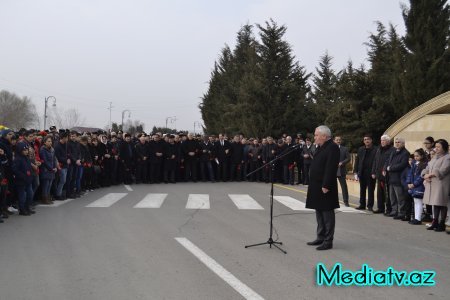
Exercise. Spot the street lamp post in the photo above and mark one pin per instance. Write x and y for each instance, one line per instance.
(123, 113)
(199, 125)
(172, 119)
(45, 109)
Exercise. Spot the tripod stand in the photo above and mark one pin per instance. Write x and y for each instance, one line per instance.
(271, 163)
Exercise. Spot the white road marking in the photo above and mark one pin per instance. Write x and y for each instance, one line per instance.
(107, 200)
(292, 203)
(220, 271)
(56, 203)
(198, 201)
(151, 201)
(128, 188)
(243, 201)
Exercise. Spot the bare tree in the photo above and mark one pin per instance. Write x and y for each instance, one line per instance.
(17, 112)
(65, 118)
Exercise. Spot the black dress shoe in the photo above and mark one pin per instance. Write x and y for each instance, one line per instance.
(361, 207)
(393, 215)
(325, 246)
(315, 243)
(378, 212)
(370, 209)
(346, 204)
(398, 217)
(1, 220)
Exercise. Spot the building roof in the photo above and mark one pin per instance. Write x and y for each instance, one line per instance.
(438, 105)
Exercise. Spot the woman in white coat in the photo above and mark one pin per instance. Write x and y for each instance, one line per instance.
(437, 184)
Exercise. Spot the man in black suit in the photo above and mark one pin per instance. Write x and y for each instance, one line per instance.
(344, 158)
(363, 173)
(222, 150)
(323, 190)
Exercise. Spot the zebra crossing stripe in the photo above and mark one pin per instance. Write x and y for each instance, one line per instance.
(107, 200)
(151, 201)
(198, 201)
(220, 271)
(243, 201)
(292, 203)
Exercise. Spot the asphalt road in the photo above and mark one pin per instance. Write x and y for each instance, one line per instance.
(102, 247)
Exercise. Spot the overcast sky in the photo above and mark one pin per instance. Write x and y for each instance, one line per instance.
(154, 58)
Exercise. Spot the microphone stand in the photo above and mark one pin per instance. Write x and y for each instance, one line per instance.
(270, 241)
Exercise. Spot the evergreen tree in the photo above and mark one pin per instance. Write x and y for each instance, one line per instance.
(427, 40)
(353, 91)
(285, 83)
(324, 88)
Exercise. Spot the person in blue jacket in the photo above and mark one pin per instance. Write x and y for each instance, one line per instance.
(23, 177)
(415, 184)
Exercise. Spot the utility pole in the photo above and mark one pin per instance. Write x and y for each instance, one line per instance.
(45, 109)
(110, 111)
(123, 113)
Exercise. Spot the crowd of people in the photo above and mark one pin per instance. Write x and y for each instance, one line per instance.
(405, 182)
(53, 165)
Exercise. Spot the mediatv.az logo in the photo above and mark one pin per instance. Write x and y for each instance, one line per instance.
(367, 277)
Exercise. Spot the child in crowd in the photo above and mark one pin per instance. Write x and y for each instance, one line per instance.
(415, 184)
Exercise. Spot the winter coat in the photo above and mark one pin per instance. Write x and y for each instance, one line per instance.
(414, 177)
(49, 163)
(437, 191)
(396, 163)
(381, 156)
(323, 170)
(21, 167)
(364, 155)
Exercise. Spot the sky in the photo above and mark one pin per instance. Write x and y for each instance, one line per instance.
(154, 58)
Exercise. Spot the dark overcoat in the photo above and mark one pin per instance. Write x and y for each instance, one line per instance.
(323, 170)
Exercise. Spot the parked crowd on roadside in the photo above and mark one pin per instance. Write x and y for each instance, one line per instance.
(54, 165)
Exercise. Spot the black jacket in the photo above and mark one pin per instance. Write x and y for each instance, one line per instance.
(323, 175)
(359, 162)
(397, 162)
(61, 154)
(344, 158)
(381, 156)
(221, 150)
(237, 153)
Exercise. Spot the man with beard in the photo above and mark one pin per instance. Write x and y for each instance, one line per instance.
(363, 172)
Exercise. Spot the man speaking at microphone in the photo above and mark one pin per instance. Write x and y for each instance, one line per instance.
(323, 190)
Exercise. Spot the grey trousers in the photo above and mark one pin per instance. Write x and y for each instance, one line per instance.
(325, 225)
(397, 197)
(344, 188)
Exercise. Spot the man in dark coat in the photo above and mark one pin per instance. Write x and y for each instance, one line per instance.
(363, 171)
(323, 190)
(394, 166)
(344, 158)
(381, 156)
(222, 151)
